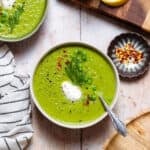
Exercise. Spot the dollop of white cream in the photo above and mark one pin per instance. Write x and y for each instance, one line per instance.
(7, 3)
(72, 92)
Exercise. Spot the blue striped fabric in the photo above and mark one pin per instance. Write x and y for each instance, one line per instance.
(15, 106)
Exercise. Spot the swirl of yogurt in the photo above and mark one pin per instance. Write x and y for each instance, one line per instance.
(7, 4)
(72, 92)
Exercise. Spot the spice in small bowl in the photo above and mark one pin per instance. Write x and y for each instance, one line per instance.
(130, 53)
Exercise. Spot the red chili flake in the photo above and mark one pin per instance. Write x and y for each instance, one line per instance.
(59, 63)
(129, 54)
(64, 51)
(87, 101)
(67, 62)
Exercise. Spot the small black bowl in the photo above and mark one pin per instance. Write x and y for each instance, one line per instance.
(137, 62)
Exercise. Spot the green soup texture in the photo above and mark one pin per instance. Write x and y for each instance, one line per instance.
(98, 78)
(21, 19)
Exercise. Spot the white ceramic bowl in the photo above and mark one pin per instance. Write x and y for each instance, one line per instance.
(72, 126)
(28, 35)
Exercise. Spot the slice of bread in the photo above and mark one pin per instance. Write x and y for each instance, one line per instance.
(138, 137)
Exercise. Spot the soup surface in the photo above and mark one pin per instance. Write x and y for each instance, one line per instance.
(20, 17)
(86, 71)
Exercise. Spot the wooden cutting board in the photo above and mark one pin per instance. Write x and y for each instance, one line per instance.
(136, 12)
(138, 137)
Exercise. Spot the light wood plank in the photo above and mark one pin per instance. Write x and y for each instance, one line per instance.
(48, 136)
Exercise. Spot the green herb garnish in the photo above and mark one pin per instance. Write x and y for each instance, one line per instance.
(14, 18)
(11, 19)
(75, 71)
(92, 97)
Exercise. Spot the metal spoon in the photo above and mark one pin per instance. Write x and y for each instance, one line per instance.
(117, 123)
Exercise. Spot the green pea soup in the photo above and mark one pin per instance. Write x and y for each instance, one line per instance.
(22, 19)
(82, 66)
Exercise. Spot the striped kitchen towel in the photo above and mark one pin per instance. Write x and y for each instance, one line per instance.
(15, 106)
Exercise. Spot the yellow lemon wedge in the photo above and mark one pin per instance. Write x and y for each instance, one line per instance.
(114, 3)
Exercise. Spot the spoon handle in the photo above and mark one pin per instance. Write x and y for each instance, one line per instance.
(118, 124)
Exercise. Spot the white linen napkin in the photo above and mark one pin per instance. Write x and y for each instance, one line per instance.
(15, 106)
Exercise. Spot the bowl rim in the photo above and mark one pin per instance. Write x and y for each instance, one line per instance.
(28, 35)
(74, 126)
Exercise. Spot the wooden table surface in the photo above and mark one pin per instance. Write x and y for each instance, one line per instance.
(67, 23)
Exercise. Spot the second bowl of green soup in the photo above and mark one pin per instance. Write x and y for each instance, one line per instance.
(19, 19)
(67, 81)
